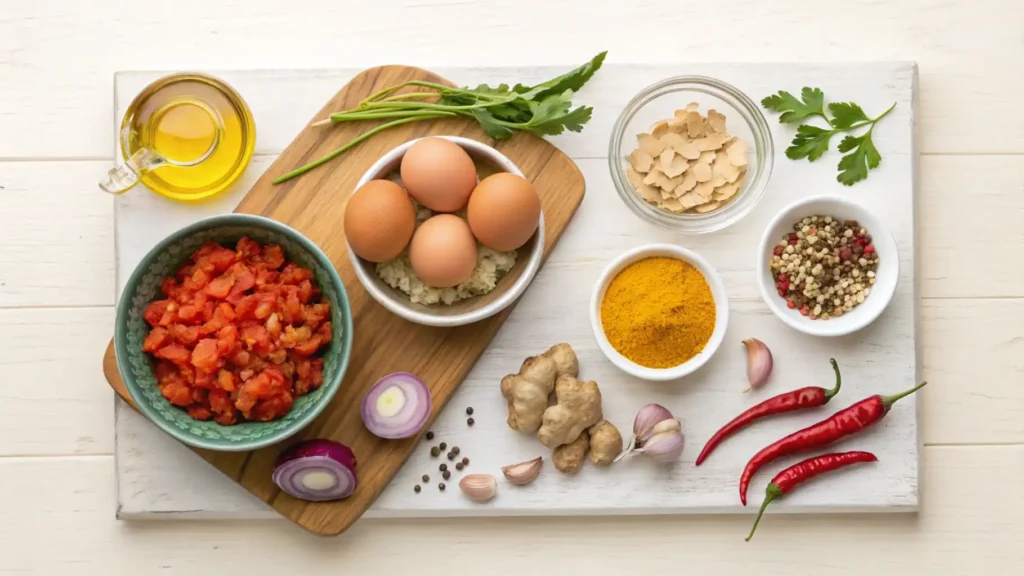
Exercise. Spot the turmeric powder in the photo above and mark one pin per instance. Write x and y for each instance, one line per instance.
(658, 312)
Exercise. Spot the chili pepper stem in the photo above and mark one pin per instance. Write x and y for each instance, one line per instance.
(839, 381)
(888, 401)
(771, 493)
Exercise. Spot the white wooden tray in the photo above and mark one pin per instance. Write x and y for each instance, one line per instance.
(158, 478)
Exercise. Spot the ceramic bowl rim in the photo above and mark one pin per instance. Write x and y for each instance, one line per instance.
(862, 315)
(512, 293)
(714, 281)
(124, 305)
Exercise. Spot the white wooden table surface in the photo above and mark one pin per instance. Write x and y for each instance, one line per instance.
(57, 283)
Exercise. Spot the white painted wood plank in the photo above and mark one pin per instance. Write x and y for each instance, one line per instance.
(57, 235)
(52, 397)
(969, 58)
(969, 524)
(881, 359)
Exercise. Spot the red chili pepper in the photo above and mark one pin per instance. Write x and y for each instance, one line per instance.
(808, 397)
(803, 471)
(839, 425)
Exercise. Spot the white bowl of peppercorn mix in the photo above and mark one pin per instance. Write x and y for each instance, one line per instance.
(827, 266)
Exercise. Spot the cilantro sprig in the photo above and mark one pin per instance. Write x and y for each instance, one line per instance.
(812, 141)
(545, 109)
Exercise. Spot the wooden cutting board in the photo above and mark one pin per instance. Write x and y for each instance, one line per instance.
(314, 204)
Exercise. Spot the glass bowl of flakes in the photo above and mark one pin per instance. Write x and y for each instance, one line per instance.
(691, 154)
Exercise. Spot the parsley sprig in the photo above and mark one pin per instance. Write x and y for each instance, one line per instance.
(545, 109)
(812, 141)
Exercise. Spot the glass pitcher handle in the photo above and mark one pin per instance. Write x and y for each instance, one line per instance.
(120, 179)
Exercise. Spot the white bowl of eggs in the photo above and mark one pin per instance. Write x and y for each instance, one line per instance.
(444, 231)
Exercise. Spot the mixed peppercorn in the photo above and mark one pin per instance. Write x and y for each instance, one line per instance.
(452, 454)
(825, 267)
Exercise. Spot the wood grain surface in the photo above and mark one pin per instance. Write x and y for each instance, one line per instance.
(314, 204)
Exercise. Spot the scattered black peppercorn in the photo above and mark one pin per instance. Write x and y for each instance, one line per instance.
(416, 488)
(470, 421)
(447, 474)
(430, 435)
(443, 445)
(435, 451)
(465, 461)
(426, 478)
(451, 456)
(442, 467)
(469, 411)
(456, 450)
(441, 486)
(460, 466)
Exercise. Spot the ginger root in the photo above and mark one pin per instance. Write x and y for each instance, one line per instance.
(605, 443)
(577, 407)
(527, 392)
(569, 458)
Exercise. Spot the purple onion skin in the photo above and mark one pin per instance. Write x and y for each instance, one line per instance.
(319, 447)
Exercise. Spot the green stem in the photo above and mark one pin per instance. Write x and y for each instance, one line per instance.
(839, 381)
(770, 494)
(374, 115)
(884, 114)
(302, 170)
(825, 116)
(888, 401)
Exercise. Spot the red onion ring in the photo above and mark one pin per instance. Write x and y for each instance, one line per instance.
(397, 406)
(316, 470)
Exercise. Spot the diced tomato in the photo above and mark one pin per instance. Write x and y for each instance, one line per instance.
(223, 315)
(199, 395)
(240, 358)
(199, 279)
(200, 412)
(244, 280)
(200, 300)
(256, 338)
(220, 286)
(266, 277)
(221, 258)
(226, 380)
(227, 340)
(186, 335)
(305, 291)
(156, 339)
(273, 257)
(226, 418)
(325, 331)
(247, 249)
(177, 393)
(315, 314)
(173, 290)
(204, 380)
(173, 352)
(273, 407)
(205, 356)
(220, 402)
(187, 313)
(155, 311)
(205, 250)
(308, 347)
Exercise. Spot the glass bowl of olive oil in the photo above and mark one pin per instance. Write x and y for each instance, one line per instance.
(186, 137)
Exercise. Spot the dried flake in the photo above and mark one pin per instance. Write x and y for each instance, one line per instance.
(666, 194)
(666, 158)
(648, 193)
(675, 167)
(717, 179)
(701, 171)
(658, 178)
(689, 181)
(689, 150)
(725, 192)
(690, 199)
(707, 157)
(659, 129)
(692, 107)
(716, 121)
(650, 144)
(712, 142)
(737, 151)
(707, 207)
(704, 190)
(676, 125)
(695, 125)
(641, 161)
(672, 204)
(723, 168)
(674, 140)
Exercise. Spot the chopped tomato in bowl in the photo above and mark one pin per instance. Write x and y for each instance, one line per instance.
(233, 337)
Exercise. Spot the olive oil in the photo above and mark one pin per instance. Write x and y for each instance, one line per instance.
(186, 137)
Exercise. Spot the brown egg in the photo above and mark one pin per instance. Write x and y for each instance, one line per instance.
(379, 220)
(439, 174)
(503, 211)
(443, 251)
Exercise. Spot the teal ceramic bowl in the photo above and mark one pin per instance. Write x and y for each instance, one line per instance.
(144, 287)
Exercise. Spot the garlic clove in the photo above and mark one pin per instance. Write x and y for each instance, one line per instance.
(523, 473)
(670, 425)
(479, 487)
(665, 447)
(759, 363)
(646, 418)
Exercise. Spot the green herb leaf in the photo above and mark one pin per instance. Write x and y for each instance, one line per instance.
(810, 142)
(854, 166)
(793, 110)
(846, 114)
(490, 124)
(573, 80)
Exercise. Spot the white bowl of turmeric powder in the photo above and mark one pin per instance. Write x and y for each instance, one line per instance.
(659, 312)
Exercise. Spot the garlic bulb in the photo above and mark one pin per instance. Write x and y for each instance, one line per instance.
(655, 433)
(759, 363)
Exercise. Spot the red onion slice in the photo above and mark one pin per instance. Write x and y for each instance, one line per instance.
(397, 406)
(316, 470)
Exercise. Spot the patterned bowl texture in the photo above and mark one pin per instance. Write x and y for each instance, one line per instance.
(144, 287)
